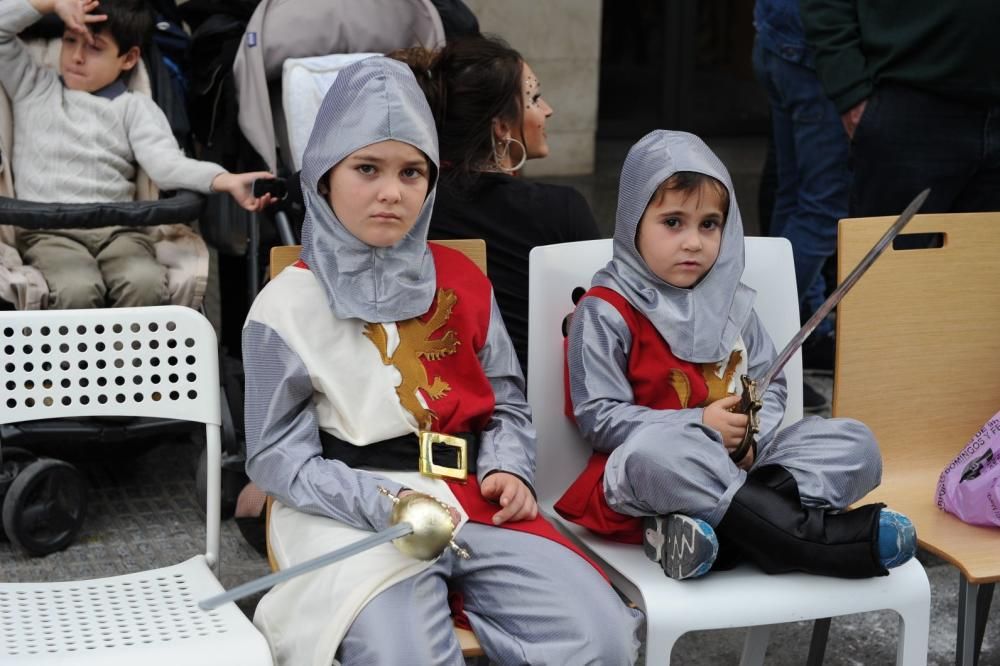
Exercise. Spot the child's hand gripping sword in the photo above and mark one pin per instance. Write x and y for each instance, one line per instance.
(422, 527)
(753, 389)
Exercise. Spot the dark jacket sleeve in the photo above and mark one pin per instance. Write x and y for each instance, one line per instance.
(833, 29)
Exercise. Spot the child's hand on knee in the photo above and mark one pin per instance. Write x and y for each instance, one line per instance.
(512, 495)
(732, 426)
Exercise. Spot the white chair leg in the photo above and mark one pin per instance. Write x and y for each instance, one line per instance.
(659, 645)
(755, 645)
(914, 629)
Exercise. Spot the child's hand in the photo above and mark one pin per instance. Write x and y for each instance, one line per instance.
(75, 14)
(238, 186)
(510, 492)
(732, 426)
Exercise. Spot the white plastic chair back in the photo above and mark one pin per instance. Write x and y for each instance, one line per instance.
(151, 362)
(155, 362)
(737, 598)
(304, 83)
(571, 265)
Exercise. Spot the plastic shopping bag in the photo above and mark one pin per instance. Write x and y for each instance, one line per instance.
(969, 486)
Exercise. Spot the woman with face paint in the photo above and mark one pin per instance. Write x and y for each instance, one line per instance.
(371, 338)
(491, 117)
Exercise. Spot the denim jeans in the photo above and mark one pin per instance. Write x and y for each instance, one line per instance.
(908, 139)
(811, 151)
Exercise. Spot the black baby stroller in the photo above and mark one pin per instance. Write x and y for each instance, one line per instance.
(43, 498)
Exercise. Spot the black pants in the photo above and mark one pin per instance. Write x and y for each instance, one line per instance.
(908, 140)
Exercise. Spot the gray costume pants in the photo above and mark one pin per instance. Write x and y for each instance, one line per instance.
(92, 268)
(686, 469)
(530, 601)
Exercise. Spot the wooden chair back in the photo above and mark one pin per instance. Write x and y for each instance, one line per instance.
(918, 361)
(475, 249)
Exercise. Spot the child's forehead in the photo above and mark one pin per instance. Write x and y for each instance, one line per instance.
(389, 150)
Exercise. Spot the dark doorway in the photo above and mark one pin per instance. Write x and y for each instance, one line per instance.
(679, 64)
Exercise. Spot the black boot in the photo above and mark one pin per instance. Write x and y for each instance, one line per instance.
(774, 477)
(771, 528)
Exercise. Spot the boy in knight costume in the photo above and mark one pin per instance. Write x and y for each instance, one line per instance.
(655, 351)
(374, 337)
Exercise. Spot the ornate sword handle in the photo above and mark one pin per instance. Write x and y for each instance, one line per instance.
(433, 525)
(750, 404)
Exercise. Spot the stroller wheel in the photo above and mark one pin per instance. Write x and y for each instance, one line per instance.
(44, 508)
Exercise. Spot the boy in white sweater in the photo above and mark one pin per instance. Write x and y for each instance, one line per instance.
(79, 136)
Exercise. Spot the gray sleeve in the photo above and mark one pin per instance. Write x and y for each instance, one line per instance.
(19, 73)
(603, 402)
(507, 444)
(157, 152)
(761, 352)
(284, 454)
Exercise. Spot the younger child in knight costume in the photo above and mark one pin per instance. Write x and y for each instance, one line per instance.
(370, 338)
(655, 351)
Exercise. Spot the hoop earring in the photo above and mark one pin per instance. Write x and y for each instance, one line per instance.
(499, 156)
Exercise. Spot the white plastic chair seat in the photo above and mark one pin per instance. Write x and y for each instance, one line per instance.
(744, 596)
(153, 362)
(127, 620)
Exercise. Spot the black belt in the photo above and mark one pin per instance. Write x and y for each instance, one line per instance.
(404, 453)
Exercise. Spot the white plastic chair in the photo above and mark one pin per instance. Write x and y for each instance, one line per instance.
(744, 596)
(153, 362)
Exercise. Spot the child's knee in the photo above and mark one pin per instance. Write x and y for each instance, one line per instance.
(145, 283)
(68, 292)
(612, 634)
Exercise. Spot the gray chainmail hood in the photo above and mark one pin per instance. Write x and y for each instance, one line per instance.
(373, 100)
(701, 324)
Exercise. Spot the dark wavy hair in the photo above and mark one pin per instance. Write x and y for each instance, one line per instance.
(130, 23)
(468, 83)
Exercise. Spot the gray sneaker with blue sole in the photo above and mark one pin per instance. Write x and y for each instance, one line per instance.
(685, 547)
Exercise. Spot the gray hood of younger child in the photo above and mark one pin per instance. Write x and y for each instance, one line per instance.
(703, 323)
(373, 100)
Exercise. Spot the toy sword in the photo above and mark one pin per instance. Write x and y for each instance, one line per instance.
(753, 389)
(422, 527)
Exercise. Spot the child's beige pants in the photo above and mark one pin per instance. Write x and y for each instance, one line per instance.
(93, 268)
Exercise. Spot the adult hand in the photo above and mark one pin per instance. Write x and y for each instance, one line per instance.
(512, 495)
(852, 117)
(732, 426)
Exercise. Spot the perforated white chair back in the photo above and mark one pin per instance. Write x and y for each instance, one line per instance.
(156, 362)
(742, 597)
(149, 362)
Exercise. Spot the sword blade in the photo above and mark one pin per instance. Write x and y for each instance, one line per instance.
(270, 580)
(781, 359)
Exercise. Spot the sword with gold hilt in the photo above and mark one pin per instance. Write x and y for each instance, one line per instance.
(421, 527)
(751, 399)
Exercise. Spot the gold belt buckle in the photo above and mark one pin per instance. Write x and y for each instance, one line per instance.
(427, 467)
